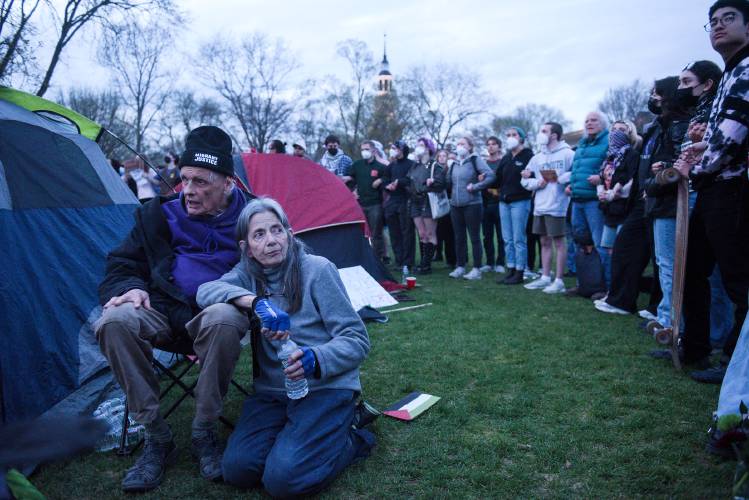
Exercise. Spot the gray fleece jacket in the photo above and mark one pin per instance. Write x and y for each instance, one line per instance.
(462, 173)
(326, 322)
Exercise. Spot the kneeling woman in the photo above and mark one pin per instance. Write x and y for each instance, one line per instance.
(292, 447)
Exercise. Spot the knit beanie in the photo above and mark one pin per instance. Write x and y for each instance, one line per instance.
(208, 147)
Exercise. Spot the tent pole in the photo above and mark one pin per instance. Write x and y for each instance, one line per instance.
(145, 160)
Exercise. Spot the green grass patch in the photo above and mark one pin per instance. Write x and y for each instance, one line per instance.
(542, 396)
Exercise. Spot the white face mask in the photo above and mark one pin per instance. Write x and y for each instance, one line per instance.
(542, 139)
(366, 154)
(136, 174)
(122, 170)
(393, 152)
(512, 143)
(420, 150)
(461, 150)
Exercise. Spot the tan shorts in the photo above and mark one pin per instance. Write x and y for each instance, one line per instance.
(548, 225)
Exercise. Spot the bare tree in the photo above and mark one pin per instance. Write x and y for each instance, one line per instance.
(106, 108)
(443, 98)
(626, 101)
(353, 101)
(254, 78)
(15, 32)
(185, 111)
(530, 117)
(135, 53)
(78, 13)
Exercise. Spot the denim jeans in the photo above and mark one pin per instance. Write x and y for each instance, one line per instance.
(514, 218)
(294, 447)
(587, 216)
(664, 237)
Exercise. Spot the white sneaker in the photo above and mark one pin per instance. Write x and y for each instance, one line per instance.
(645, 314)
(529, 275)
(475, 274)
(485, 269)
(499, 269)
(608, 308)
(557, 286)
(541, 282)
(458, 272)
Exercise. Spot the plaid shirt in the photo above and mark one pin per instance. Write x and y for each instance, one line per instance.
(338, 164)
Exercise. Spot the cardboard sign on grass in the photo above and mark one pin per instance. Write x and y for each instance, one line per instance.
(411, 406)
(363, 290)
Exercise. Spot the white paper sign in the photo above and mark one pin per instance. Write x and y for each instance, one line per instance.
(363, 290)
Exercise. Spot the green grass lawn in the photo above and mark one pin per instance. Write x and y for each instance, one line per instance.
(542, 396)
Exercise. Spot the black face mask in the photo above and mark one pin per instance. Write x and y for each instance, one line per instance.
(332, 151)
(685, 98)
(654, 106)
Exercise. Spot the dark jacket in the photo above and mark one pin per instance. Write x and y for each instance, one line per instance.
(508, 176)
(397, 170)
(144, 261)
(418, 176)
(614, 212)
(660, 200)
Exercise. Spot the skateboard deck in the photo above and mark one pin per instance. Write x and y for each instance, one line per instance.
(671, 336)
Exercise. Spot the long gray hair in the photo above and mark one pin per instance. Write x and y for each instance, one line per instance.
(292, 264)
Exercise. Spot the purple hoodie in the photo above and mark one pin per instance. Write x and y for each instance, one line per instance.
(204, 246)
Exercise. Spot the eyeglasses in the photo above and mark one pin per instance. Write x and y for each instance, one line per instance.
(724, 21)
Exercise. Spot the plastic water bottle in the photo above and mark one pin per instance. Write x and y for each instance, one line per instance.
(404, 271)
(295, 389)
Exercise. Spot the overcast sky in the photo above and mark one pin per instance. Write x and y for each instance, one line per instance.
(560, 53)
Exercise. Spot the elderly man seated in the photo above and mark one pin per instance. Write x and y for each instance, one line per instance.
(148, 295)
(293, 446)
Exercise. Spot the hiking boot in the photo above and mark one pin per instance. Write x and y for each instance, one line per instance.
(608, 308)
(474, 275)
(207, 449)
(148, 471)
(700, 364)
(458, 272)
(557, 286)
(713, 375)
(364, 414)
(515, 279)
(538, 284)
(509, 274)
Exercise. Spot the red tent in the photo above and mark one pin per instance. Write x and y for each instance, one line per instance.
(321, 209)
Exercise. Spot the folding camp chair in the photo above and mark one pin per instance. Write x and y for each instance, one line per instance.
(184, 347)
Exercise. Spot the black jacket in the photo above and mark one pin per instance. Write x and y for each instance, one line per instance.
(418, 176)
(661, 200)
(398, 170)
(144, 260)
(508, 176)
(614, 212)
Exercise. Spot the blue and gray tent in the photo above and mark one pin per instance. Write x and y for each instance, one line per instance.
(62, 208)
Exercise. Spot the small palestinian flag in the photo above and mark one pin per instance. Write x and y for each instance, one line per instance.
(411, 406)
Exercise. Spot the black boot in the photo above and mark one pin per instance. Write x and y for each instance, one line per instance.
(426, 261)
(516, 278)
(508, 275)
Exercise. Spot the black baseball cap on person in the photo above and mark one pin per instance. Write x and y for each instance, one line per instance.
(208, 147)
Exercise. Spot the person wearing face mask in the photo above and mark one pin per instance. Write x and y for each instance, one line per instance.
(634, 245)
(334, 159)
(465, 179)
(445, 233)
(277, 146)
(546, 175)
(367, 177)
(616, 176)
(661, 200)
(425, 176)
(514, 205)
(169, 175)
(400, 226)
(490, 224)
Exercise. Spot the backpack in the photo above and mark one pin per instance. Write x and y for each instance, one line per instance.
(590, 277)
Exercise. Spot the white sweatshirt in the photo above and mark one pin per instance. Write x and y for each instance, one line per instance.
(550, 199)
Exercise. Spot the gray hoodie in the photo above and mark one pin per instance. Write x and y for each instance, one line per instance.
(326, 322)
(462, 173)
(551, 199)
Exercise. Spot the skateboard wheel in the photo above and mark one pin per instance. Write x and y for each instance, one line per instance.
(663, 336)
